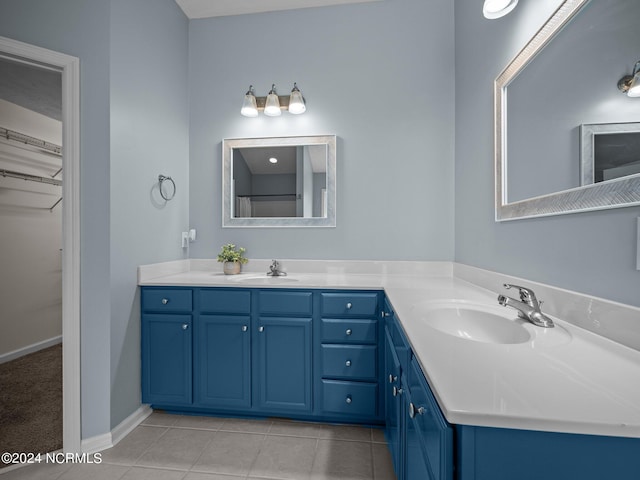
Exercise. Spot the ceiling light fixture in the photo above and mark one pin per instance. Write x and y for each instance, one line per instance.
(273, 160)
(273, 104)
(630, 84)
(498, 8)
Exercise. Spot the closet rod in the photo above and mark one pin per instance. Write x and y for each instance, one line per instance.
(33, 141)
(31, 178)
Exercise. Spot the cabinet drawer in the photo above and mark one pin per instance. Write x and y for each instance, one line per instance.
(166, 300)
(225, 301)
(288, 303)
(352, 398)
(349, 331)
(349, 361)
(347, 304)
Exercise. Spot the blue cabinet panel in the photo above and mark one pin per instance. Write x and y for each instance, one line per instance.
(351, 330)
(504, 454)
(393, 403)
(352, 398)
(349, 361)
(166, 359)
(285, 302)
(166, 300)
(349, 304)
(284, 360)
(223, 361)
(223, 300)
(416, 465)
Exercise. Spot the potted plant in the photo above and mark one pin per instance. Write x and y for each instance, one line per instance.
(231, 258)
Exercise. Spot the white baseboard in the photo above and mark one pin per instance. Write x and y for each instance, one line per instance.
(21, 352)
(111, 439)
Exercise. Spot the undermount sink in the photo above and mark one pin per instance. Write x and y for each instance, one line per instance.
(263, 279)
(477, 323)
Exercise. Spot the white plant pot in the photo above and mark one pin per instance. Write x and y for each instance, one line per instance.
(231, 268)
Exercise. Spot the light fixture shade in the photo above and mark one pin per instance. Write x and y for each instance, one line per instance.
(498, 8)
(272, 105)
(634, 86)
(296, 101)
(249, 106)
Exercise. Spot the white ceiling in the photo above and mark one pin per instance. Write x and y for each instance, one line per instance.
(220, 8)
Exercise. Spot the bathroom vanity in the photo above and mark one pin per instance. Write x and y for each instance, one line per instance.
(510, 401)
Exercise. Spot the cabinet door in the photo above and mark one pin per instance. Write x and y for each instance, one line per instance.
(416, 464)
(166, 359)
(392, 402)
(223, 361)
(284, 362)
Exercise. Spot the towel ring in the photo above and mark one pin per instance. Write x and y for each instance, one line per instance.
(161, 179)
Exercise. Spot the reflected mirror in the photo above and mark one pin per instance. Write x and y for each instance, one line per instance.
(561, 121)
(279, 181)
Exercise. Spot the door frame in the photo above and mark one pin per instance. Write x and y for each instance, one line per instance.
(70, 69)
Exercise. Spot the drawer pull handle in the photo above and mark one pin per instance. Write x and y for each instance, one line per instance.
(348, 400)
(245, 328)
(261, 329)
(396, 391)
(392, 378)
(348, 363)
(165, 301)
(348, 332)
(349, 306)
(413, 411)
(185, 326)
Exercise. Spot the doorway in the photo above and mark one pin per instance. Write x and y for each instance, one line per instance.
(68, 68)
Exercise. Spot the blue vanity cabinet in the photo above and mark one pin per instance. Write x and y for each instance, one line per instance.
(284, 355)
(166, 332)
(351, 356)
(393, 392)
(222, 354)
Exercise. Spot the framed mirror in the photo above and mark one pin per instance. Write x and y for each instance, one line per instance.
(279, 182)
(557, 95)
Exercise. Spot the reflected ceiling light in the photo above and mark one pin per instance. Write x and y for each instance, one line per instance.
(272, 105)
(273, 160)
(498, 8)
(630, 84)
(249, 106)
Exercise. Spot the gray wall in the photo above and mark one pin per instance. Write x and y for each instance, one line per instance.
(119, 221)
(378, 76)
(592, 252)
(149, 136)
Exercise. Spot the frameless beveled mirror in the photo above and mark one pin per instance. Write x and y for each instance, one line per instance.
(279, 182)
(557, 108)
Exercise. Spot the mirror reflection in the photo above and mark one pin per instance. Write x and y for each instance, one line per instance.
(561, 144)
(279, 182)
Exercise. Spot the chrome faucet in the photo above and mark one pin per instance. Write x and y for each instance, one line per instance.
(528, 306)
(273, 270)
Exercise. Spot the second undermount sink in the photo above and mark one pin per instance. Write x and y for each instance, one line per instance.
(476, 322)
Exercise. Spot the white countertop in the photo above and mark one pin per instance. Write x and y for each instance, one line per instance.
(564, 379)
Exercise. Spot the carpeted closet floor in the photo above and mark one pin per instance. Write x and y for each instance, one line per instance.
(31, 402)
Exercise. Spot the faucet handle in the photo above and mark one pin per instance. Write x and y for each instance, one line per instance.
(526, 294)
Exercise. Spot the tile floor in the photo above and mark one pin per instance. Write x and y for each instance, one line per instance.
(176, 447)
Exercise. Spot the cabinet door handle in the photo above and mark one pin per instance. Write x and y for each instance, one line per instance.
(245, 328)
(165, 301)
(348, 363)
(413, 411)
(348, 332)
(396, 391)
(349, 306)
(348, 400)
(185, 326)
(261, 328)
(392, 378)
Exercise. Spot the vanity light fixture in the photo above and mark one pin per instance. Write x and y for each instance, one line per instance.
(273, 104)
(630, 84)
(498, 8)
